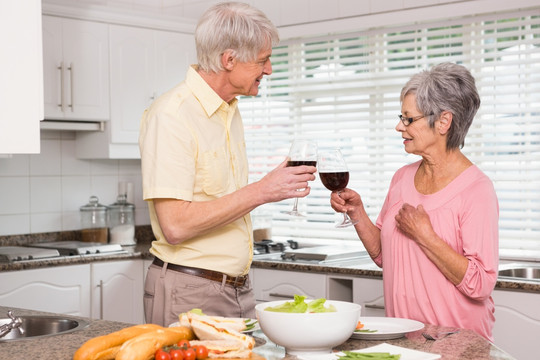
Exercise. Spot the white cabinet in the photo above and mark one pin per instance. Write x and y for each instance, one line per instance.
(76, 69)
(64, 289)
(111, 290)
(269, 285)
(117, 291)
(144, 64)
(21, 77)
(368, 292)
(517, 322)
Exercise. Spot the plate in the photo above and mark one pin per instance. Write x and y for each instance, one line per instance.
(387, 328)
(406, 354)
(252, 324)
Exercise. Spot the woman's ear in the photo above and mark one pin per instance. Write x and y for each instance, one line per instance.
(444, 123)
(228, 60)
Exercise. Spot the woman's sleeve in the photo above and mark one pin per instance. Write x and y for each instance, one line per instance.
(480, 234)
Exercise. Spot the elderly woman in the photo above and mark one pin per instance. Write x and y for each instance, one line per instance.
(195, 172)
(436, 237)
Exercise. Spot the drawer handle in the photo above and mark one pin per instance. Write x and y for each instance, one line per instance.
(374, 306)
(284, 296)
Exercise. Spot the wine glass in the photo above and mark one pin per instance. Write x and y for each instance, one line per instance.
(334, 175)
(302, 152)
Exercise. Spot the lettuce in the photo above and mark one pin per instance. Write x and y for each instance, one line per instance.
(299, 305)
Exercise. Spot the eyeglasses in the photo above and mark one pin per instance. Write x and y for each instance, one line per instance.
(408, 120)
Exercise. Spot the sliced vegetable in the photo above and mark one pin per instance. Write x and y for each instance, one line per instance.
(352, 355)
(250, 324)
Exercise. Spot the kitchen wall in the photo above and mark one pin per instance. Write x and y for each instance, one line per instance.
(43, 192)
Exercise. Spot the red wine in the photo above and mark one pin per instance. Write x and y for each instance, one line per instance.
(301, 162)
(335, 180)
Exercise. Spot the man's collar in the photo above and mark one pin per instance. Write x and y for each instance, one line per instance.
(208, 98)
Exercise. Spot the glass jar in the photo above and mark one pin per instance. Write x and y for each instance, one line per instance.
(121, 222)
(94, 221)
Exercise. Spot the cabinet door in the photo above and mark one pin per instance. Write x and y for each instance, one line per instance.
(272, 285)
(174, 53)
(132, 80)
(64, 289)
(517, 322)
(370, 294)
(117, 291)
(86, 57)
(52, 73)
(76, 69)
(21, 77)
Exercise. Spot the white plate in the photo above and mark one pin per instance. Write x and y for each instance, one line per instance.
(406, 354)
(387, 328)
(248, 322)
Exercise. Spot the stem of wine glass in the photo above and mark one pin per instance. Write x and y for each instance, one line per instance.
(347, 221)
(295, 206)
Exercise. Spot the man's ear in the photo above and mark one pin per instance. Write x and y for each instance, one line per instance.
(444, 123)
(228, 60)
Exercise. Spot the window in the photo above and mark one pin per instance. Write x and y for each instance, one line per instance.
(343, 90)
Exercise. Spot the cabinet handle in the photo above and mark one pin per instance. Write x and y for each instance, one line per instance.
(285, 296)
(70, 68)
(61, 68)
(374, 306)
(100, 299)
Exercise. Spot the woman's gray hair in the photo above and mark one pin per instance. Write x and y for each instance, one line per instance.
(446, 87)
(232, 26)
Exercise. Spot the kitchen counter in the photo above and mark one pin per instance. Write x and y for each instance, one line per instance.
(141, 251)
(464, 345)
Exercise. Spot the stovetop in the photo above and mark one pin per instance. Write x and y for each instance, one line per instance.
(51, 250)
(21, 253)
(81, 248)
(269, 246)
(292, 251)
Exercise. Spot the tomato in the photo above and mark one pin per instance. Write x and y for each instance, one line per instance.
(184, 344)
(162, 355)
(189, 354)
(201, 352)
(177, 354)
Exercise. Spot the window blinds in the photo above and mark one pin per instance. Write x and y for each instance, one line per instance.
(343, 91)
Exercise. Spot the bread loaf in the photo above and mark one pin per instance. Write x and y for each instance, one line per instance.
(107, 346)
(143, 347)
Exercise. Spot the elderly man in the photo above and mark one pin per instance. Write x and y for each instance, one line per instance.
(195, 172)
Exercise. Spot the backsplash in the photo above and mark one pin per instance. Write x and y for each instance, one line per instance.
(43, 192)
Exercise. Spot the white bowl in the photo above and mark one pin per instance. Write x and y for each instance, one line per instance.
(308, 333)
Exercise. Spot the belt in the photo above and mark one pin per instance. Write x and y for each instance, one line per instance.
(237, 281)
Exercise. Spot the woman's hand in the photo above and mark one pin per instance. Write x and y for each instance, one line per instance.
(414, 222)
(346, 200)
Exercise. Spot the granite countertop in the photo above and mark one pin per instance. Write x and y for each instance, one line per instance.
(141, 251)
(464, 345)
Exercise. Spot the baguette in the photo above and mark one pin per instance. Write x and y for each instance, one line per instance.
(105, 347)
(143, 347)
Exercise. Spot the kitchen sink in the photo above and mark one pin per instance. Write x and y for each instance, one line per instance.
(520, 271)
(40, 326)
